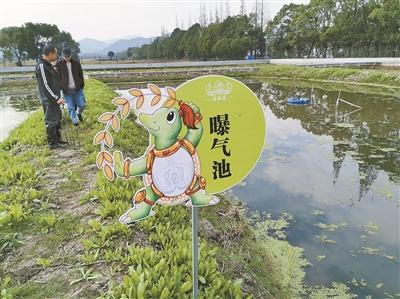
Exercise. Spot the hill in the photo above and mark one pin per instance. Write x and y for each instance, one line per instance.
(92, 47)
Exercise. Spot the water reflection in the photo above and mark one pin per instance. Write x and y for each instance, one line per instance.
(326, 165)
(14, 109)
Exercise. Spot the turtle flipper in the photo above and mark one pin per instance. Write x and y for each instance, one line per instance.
(202, 199)
(143, 201)
(137, 213)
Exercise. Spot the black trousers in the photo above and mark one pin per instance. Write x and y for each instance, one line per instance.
(52, 120)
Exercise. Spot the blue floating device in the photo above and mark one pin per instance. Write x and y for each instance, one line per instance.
(298, 101)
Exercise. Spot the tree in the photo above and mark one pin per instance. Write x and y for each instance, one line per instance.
(64, 40)
(242, 8)
(28, 40)
(203, 15)
(173, 48)
(190, 42)
(339, 28)
(37, 36)
(216, 18)
(230, 39)
(385, 18)
(13, 43)
(7, 56)
(130, 53)
(227, 9)
(110, 54)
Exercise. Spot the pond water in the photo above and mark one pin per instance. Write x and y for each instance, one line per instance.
(335, 169)
(15, 108)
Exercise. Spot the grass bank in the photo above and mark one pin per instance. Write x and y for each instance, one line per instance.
(60, 238)
(380, 77)
(368, 76)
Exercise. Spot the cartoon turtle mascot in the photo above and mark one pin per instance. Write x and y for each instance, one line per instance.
(171, 165)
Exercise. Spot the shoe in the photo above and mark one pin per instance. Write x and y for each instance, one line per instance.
(53, 146)
(62, 142)
(80, 117)
(61, 145)
(76, 124)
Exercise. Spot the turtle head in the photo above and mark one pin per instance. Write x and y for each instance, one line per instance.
(164, 123)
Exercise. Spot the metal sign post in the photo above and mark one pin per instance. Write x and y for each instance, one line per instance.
(195, 252)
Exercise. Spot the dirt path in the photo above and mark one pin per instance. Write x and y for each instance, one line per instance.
(67, 180)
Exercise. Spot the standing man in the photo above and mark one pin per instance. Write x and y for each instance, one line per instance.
(49, 91)
(72, 84)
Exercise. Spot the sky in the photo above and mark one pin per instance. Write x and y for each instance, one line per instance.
(107, 19)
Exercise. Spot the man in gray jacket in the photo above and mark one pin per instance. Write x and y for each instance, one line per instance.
(72, 84)
(49, 86)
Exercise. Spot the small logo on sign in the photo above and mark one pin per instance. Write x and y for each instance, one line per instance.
(218, 91)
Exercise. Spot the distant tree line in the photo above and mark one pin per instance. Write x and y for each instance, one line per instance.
(27, 41)
(231, 38)
(338, 28)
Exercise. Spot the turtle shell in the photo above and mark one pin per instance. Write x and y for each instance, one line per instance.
(173, 174)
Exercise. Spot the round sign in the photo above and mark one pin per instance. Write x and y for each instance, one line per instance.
(233, 129)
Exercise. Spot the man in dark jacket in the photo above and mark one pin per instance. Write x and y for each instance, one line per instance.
(49, 92)
(72, 84)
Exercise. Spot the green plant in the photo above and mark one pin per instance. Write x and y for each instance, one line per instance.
(85, 275)
(14, 215)
(8, 242)
(113, 255)
(5, 288)
(90, 256)
(47, 222)
(45, 263)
